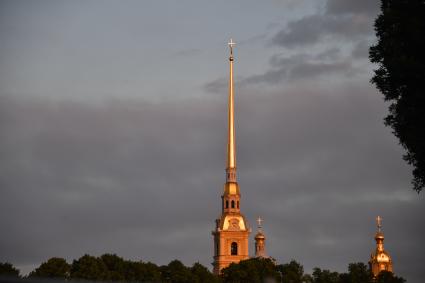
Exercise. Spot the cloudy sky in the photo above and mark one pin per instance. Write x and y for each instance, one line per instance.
(113, 131)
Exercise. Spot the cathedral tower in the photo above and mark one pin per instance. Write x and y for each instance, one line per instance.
(380, 260)
(260, 241)
(232, 231)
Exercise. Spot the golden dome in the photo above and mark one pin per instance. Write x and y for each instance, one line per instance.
(259, 236)
(379, 235)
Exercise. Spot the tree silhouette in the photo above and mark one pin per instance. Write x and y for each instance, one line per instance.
(254, 270)
(90, 268)
(176, 272)
(357, 273)
(400, 56)
(324, 276)
(55, 267)
(388, 277)
(292, 272)
(200, 274)
(8, 270)
(112, 268)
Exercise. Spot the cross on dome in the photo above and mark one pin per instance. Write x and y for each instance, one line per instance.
(259, 221)
(379, 222)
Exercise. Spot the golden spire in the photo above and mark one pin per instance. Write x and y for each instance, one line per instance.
(231, 146)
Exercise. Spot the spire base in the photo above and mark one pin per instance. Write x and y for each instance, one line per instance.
(231, 175)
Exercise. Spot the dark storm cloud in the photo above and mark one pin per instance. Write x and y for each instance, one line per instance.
(305, 70)
(312, 29)
(142, 179)
(343, 19)
(301, 66)
(82, 172)
(361, 50)
(216, 86)
(304, 67)
(370, 7)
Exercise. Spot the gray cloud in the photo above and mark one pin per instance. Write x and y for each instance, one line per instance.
(361, 50)
(304, 67)
(314, 28)
(217, 85)
(142, 179)
(332, 53)
(298, 67)
(188, 52)
(342, 19)
(370, 7)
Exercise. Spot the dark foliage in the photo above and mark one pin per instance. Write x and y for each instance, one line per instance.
(388, 277)
(292, 272)
(400, 54)
(142, 272)
(89, 268)
(254, 270)
(8, 270)
(112, 268)
(357, 273)
(201, 274)
(324, 276)
(176, 272)
(53, 268)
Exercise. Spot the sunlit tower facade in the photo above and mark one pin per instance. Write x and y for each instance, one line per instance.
(232, 231)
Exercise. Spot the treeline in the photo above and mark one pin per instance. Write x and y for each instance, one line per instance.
(112, 268)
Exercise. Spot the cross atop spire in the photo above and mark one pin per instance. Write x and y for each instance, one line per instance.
(379, 223)
(231, 44)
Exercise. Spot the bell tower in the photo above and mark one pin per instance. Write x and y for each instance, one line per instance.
(231, 230)
(380, 260)
(260, 241)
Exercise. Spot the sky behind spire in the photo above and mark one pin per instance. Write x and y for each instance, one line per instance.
(110, 110)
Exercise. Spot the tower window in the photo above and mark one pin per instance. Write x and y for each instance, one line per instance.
(227, 204)
(234, 248)
(238, 204)
(233, 204)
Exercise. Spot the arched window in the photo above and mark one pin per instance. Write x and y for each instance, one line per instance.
(238, 204)
(227, 204)
(233, 204)
(234, 248)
